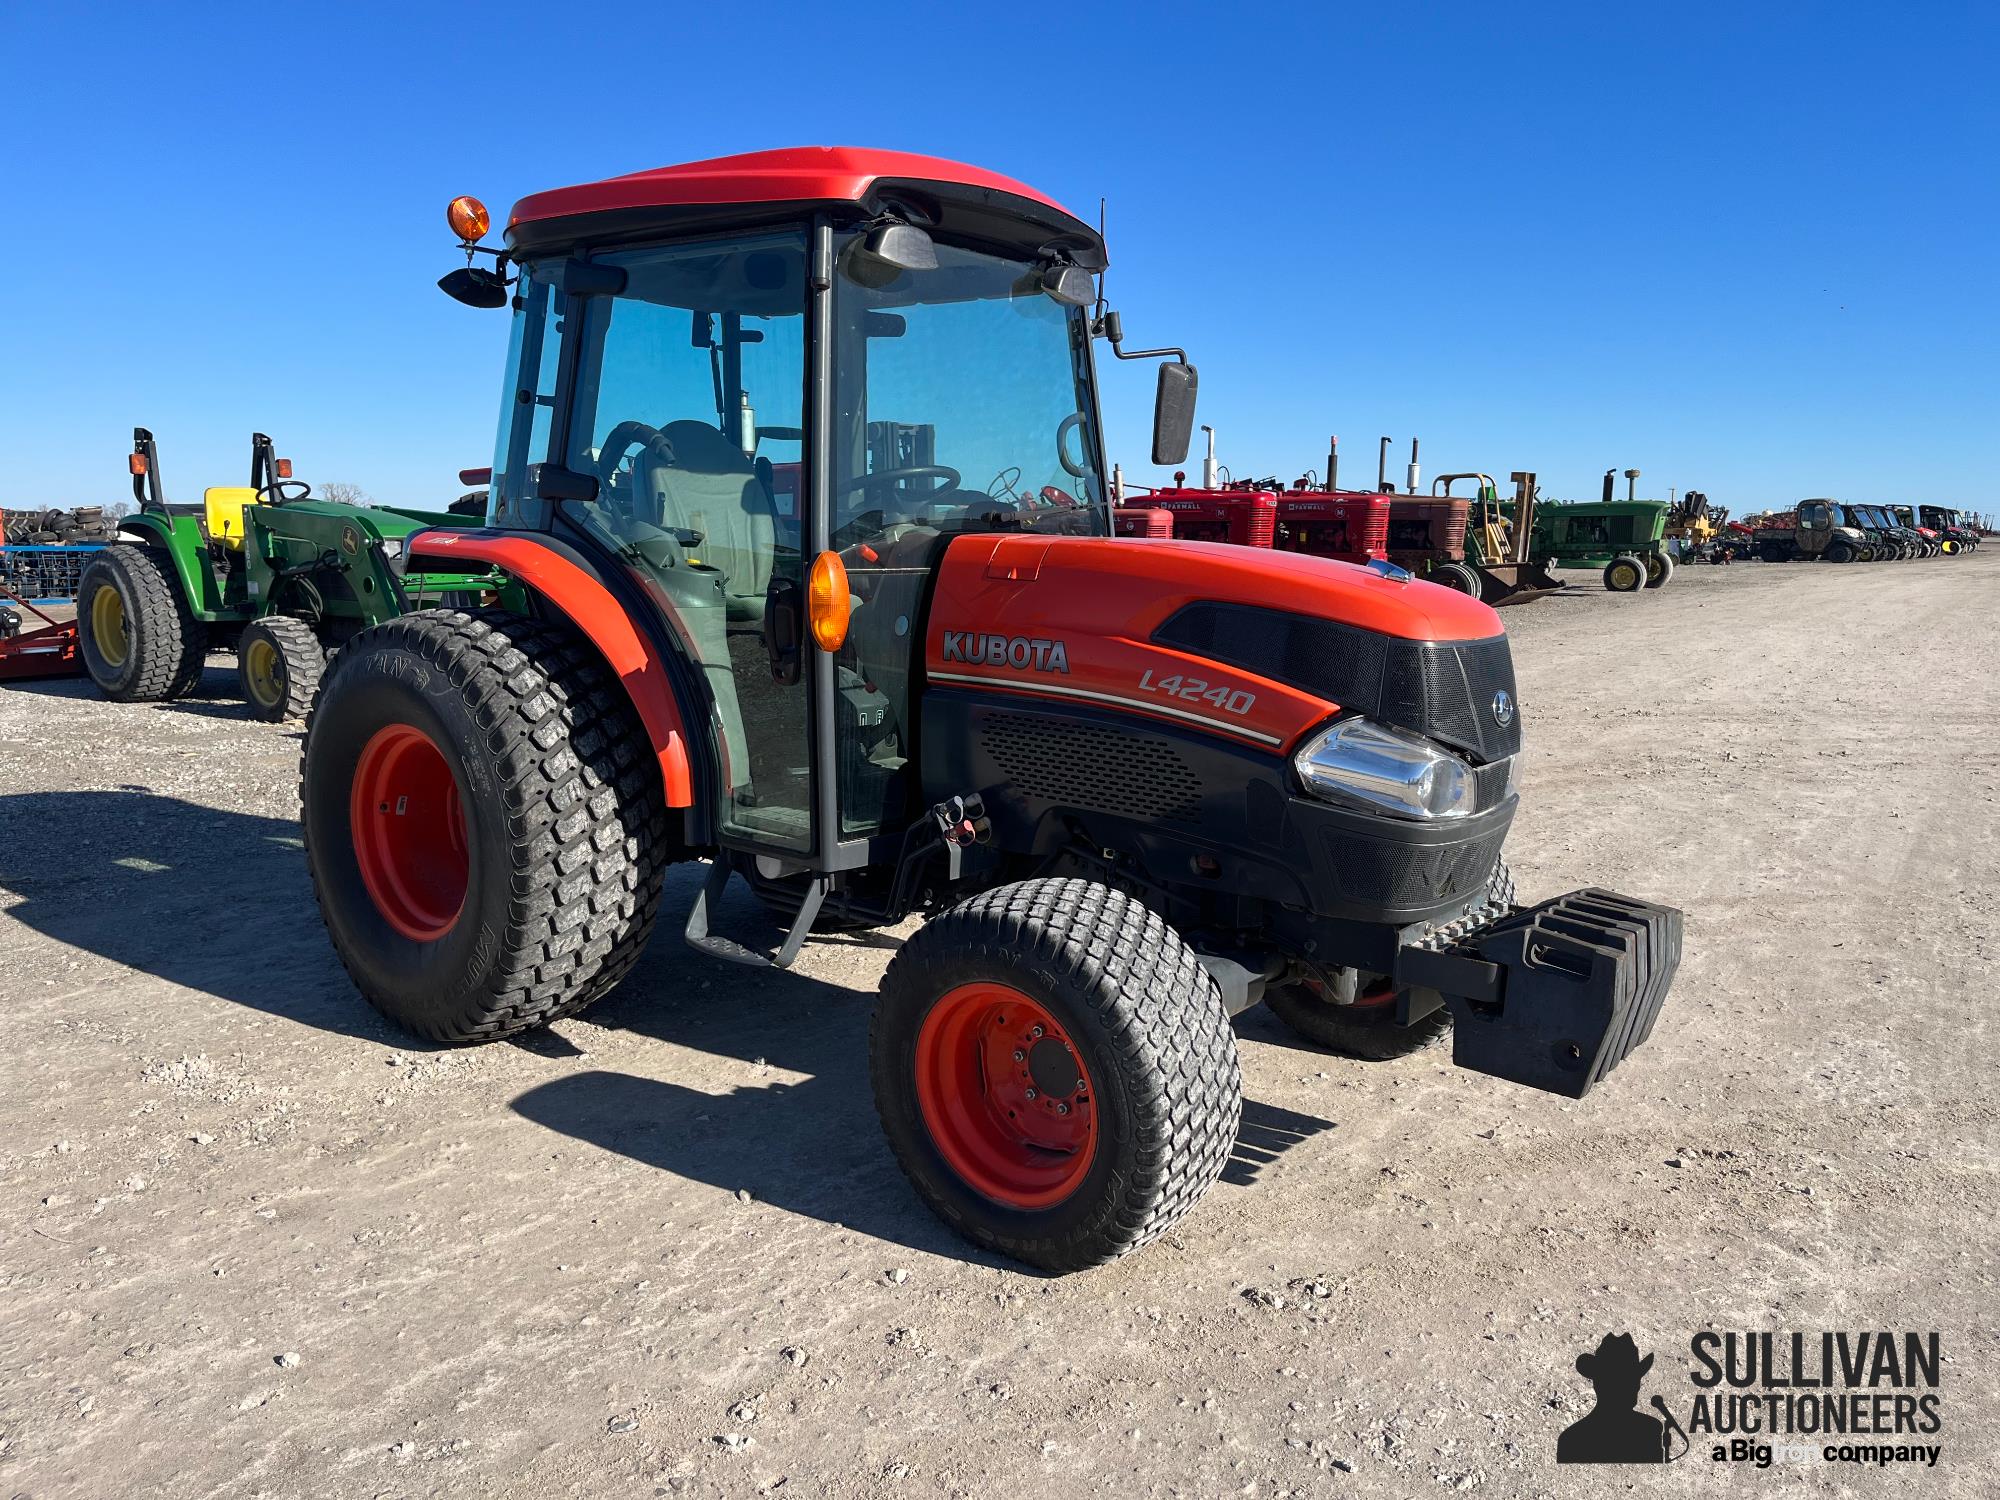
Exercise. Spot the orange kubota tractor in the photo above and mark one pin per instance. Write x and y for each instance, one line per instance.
(1135, 785)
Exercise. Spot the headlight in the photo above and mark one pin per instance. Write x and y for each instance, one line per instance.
(394, 546)
(1400, 774)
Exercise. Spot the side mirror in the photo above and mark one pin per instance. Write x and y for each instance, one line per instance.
(1173, 413)
(554, 482)
(474, 287)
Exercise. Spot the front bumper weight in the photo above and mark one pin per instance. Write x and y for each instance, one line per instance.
(1557, 995)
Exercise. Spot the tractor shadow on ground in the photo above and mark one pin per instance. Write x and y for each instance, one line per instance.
(216, 695)
(789, 1116)
(808, 1144)
(219, 902)
(1268, 1131)
(199, 897)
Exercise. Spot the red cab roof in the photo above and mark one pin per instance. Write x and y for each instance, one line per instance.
(796, 174)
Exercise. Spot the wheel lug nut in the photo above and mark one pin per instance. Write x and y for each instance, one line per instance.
(1062, 1109)
(1032, 1094)
(1034, 1031)
(1019, 1055)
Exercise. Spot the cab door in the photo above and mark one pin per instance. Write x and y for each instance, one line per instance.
(1815, 527)
(676, 403)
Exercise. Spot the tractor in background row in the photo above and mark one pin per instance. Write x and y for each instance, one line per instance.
(1626, 538)
(1433, 537)
(262, 568)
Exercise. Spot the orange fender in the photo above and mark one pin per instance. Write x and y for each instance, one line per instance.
(589, 606)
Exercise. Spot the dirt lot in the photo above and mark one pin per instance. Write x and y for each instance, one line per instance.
(254, 1242)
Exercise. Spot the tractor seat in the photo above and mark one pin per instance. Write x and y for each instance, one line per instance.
(711, 488)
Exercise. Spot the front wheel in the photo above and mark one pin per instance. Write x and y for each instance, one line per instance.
(1055, 1072)
(484, 822)
(1659, 568)
(1839, 552)
(278, 666)
(1625, 575)
(1456, 576)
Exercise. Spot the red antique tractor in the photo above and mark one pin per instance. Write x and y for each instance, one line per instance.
(1135, 785)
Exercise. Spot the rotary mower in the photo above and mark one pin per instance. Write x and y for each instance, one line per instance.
(1135, 785)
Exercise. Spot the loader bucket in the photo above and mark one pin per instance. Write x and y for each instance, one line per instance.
(1501, 584)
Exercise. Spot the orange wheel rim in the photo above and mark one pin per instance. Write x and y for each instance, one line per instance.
(1005, 1096)
(408, 822)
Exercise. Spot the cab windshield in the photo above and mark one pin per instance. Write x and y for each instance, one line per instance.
(960, 400)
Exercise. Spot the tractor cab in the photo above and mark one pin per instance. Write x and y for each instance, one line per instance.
(807, 408)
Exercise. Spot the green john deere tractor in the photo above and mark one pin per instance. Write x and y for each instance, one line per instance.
(1626, 538)
(264, 568)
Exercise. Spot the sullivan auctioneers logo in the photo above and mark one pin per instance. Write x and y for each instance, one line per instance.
(1764, 1398)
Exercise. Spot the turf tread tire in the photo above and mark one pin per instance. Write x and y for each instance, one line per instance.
(166, 647)
(1137, 1000)
(304, 662)
(578, 783)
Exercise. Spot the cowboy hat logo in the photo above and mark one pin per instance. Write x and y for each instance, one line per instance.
(1614, 1431)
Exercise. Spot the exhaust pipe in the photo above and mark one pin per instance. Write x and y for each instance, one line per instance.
(1333, 463)
(1413, 466)
(1610, 476)
(1208, 463)
(1382, 485)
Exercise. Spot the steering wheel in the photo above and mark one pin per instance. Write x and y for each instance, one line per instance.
(951, 478)
(1001, 485)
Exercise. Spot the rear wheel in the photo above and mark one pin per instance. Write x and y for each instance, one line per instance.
(140, 641)
(1456, 576)
(484, 822)
(278, 666)
(1659, 568)
(1625, 574)
(1055, 1072)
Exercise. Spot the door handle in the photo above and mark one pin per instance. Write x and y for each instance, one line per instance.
(784, 629)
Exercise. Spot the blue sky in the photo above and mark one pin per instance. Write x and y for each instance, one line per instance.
(1749, 249)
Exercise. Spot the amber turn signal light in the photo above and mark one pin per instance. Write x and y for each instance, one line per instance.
(136, 463)
(828, 604)
(284, 468)
(468, 219)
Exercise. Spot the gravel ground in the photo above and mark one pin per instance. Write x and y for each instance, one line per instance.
(253, 1241)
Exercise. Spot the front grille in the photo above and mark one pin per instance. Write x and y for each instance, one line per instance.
(1091, 767)
(1442, 690)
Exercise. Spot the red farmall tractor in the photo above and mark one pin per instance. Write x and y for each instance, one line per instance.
(1136, 786)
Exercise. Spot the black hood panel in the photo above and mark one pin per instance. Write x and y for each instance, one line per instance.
(1448, 691)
